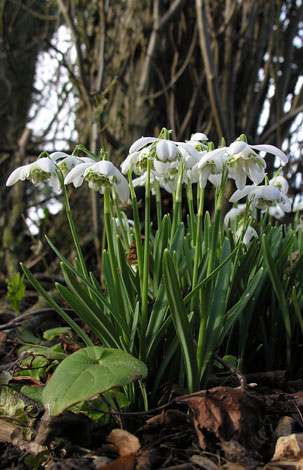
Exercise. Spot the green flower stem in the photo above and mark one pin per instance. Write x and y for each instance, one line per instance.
(197, 245)
(120, 219)
(72, 226)
(177, 218)
(145, 265)
(111, 250)
(190, 203)
(137, 228)
(158, 204)
(236, 260)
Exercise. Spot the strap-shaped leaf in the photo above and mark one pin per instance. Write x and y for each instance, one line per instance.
(56, 307)
(180, 320)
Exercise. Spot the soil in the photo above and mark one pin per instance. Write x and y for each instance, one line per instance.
(235, 424)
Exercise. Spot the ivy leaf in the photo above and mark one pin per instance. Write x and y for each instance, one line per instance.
(87, 373)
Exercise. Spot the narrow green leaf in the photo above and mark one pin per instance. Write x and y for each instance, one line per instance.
(180, 320)
(56, 307)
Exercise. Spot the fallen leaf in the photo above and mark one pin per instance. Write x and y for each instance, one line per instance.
(26, 379)
(125, 442)
(225, 414)
(122, 463)
(290, 446)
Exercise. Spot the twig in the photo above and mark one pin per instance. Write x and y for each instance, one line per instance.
(15, 322)
(233, 371)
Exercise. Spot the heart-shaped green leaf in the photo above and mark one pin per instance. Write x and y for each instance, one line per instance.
(89, 372)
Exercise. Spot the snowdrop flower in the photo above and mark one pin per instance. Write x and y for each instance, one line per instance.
(141, 181)
(298, 206)
(261, 197)
(67, 162)
(280, 182)
(99, 176)
(276, 212)
(243, 161)
(248, 235)
(124, 223)
(41, 170)
(142, 142)
(199, 141)
(210, 164)
(167, 157)
(233, 213)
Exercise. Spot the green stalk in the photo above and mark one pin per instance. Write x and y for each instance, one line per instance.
(72, 226)
(137, 228)
(158, 204)
(111, 250)
(190, 203)
(121, 222)
(145, 265)
(177, 203)
(197, 245)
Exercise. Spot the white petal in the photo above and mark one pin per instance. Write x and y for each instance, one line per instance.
(215, 179)
(241, 193)
(285, 204)
(45, 164)
(199, 136)
(76, 172)
(237, 147)
(78, 181)
(189, 149)
(129, 162)
(238, 174)
(161, 167)
(56, 155)
(272, 149)
(166, 150)
(55, 183)
(122, 189)
(140, 143)
(280, 182)
(17, 174)
(255, 172)
(105, 167)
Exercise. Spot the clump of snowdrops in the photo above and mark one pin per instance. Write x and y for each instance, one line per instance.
(196, 282)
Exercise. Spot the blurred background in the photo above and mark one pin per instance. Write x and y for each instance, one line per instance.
(106, 72)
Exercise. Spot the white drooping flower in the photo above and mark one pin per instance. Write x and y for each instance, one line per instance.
(234, 212)
(243, 161)
(99, 176)
(248, 235)
(167, 157)
(199, 141)
(67, 162)
(261, 197)
(209, 167)
(280, 182)
(298, 206)
(141, 181)
(43, 169)
(276, 212)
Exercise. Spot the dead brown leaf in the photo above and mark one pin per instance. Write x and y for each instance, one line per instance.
(122, 463)
(124, 442)
(225, 414)
(27, 379)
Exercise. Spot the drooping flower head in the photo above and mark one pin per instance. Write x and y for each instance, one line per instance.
(261, 197)
(243, 161)
(39, 171)
(99, 176)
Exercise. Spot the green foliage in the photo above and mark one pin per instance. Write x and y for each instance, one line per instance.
(181, 292)
(15, 291)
